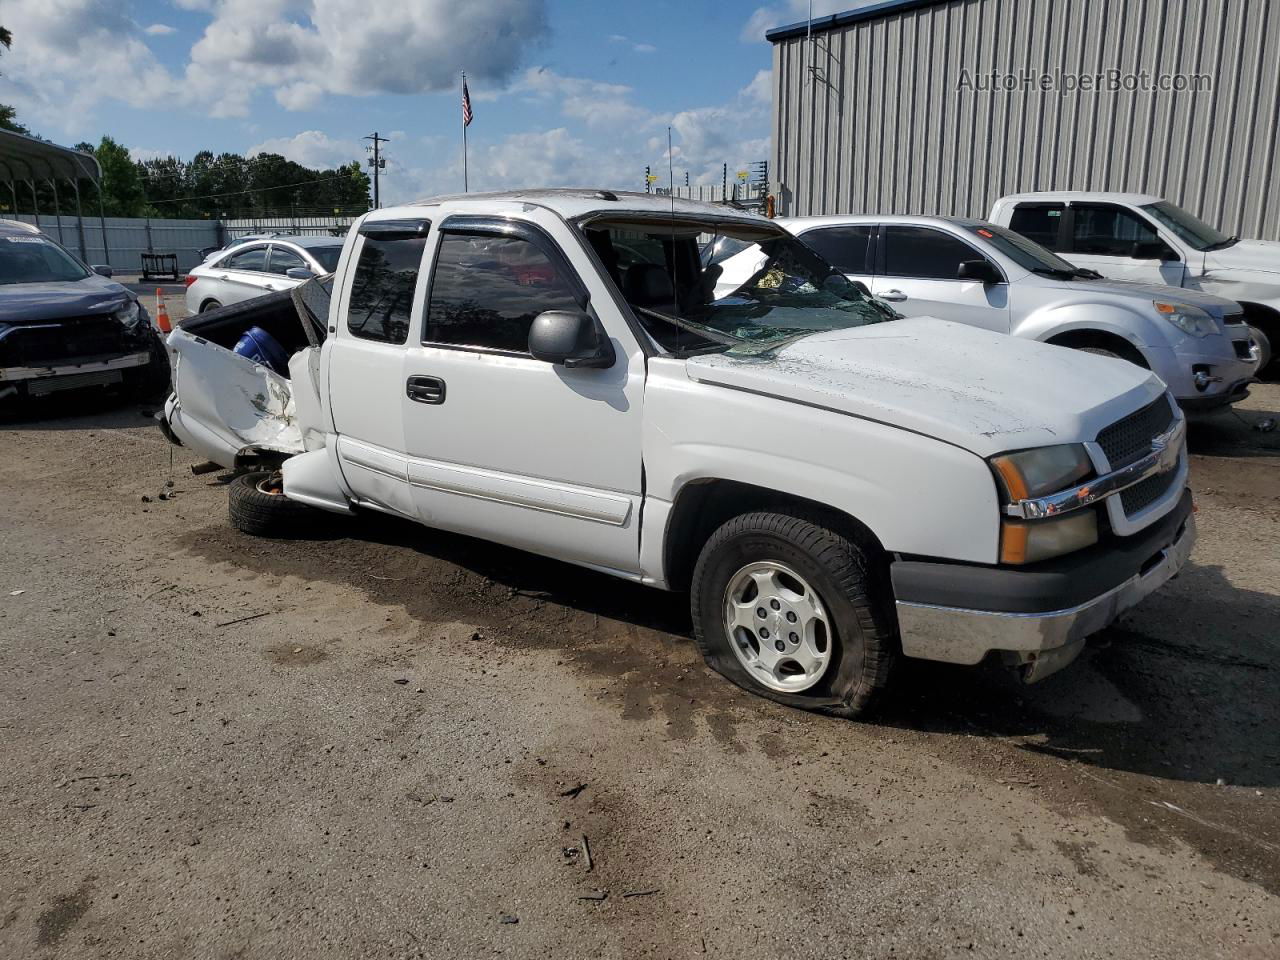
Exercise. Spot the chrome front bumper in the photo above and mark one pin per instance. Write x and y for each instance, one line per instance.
(1044, 641)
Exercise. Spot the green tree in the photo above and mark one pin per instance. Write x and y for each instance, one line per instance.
(122, 189)
(8, 113)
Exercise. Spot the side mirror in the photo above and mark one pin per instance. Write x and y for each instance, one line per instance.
(103, 270)
(1153, 250)
(981, 271)
(299, 273)
(570, 339)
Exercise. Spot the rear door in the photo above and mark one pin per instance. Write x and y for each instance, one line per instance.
(1120, 244)
(510, 448)
(916, 272)
(847, 247)
(366, 363)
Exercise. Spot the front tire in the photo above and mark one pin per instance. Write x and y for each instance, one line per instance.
(788, 608)
(257, 506)
(1264, 349)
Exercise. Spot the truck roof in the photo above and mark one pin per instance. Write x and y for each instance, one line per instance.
(1135, 199)
(575, 202)
(808, 223)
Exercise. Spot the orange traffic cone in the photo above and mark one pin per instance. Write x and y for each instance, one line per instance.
(162, 313)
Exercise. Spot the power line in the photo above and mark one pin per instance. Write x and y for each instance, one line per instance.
(238, 193)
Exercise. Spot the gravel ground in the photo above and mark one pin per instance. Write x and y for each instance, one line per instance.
(388, 742)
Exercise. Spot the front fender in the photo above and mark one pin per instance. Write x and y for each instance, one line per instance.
(1138, 329)
(1240, 286)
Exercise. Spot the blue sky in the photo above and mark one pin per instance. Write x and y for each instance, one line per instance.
(563, 92)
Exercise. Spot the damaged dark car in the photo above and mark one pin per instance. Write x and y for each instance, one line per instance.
(66, 326)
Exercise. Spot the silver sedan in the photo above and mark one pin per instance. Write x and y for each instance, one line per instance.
(253, 269)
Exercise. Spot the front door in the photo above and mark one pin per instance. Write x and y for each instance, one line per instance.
(917, 273)
(847, 247)
(1120, 245)
(510, 448)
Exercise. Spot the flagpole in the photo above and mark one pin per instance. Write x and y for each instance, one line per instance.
(465, 184)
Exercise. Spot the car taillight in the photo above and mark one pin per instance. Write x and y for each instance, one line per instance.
(189, 279)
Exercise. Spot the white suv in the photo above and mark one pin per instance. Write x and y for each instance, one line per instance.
(984, 275)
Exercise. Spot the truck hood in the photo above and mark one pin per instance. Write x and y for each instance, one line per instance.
(1261, 256)
(1213, 305)
(986, 392)
(30, 302)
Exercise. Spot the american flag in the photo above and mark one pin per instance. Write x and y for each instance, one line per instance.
(467, 115)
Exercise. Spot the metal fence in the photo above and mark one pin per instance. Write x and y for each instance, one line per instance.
(332, 226)
(127, 238)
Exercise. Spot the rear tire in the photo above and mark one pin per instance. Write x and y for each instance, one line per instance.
(838, 660)
(209, 305)
(257, 506)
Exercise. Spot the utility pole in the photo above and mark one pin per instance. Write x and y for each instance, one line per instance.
(379, 163)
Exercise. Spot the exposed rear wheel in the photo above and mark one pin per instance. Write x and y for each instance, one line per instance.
(257, 505)
(209, 305)
(786, 607)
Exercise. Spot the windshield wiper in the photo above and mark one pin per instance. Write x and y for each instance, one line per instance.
(707, 333)
(1084, 273)
(1223, 244)
(1056, 272)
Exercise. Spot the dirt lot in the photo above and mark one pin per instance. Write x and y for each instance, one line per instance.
(371, 743)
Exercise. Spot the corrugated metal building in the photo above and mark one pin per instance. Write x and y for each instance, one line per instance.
(942, 106)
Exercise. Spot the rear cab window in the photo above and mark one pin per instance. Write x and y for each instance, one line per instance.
(386, 275)
(1041, 222)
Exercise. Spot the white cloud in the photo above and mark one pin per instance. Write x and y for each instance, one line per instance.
(793, 11)
(300, 49)
(159, 30)
(69, 55)
(594, 103)
(311, 148)
(634, 45)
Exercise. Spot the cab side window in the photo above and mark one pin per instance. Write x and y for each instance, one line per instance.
(1108, 231)
(845, 248)
(382, 290)
(1040, 222)
(486, 290)
(923, 253)
(255, 258)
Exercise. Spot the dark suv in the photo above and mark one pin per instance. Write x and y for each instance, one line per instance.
(64, 325)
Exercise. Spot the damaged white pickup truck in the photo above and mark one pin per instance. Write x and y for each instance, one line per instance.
(834, 485)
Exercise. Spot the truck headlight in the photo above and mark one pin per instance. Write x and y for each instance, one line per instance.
(1026, 541)
(1042, 470)
(1035, 473)
(1190, 320)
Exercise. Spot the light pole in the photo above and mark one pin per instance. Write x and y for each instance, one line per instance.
(379, 163)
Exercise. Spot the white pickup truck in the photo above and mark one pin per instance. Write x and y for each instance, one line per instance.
(985, 275)
(1134, 236)
(833, 485)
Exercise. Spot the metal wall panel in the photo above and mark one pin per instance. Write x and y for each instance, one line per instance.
(869, 117)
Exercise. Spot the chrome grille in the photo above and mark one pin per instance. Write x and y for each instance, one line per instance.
(1142, 495)
(1129, 439)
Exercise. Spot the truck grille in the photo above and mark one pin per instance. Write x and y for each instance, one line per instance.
(71, 339)
(1142, 495)
(1130, 439)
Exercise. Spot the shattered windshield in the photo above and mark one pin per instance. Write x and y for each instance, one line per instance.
(740, 288)
(33, 259)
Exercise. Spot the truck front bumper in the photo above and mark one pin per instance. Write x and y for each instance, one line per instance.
(959, 613)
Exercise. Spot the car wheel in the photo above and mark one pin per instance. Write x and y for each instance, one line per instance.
(1264, 348)
(1134, 358)
(209, 305)
(258, 506)
(789, 608)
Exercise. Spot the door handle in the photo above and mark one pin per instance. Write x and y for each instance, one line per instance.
(893, 296)
(425, 389)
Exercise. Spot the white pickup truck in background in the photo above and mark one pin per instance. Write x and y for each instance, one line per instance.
(985, 275)
(1134, 236)
(835, 486)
